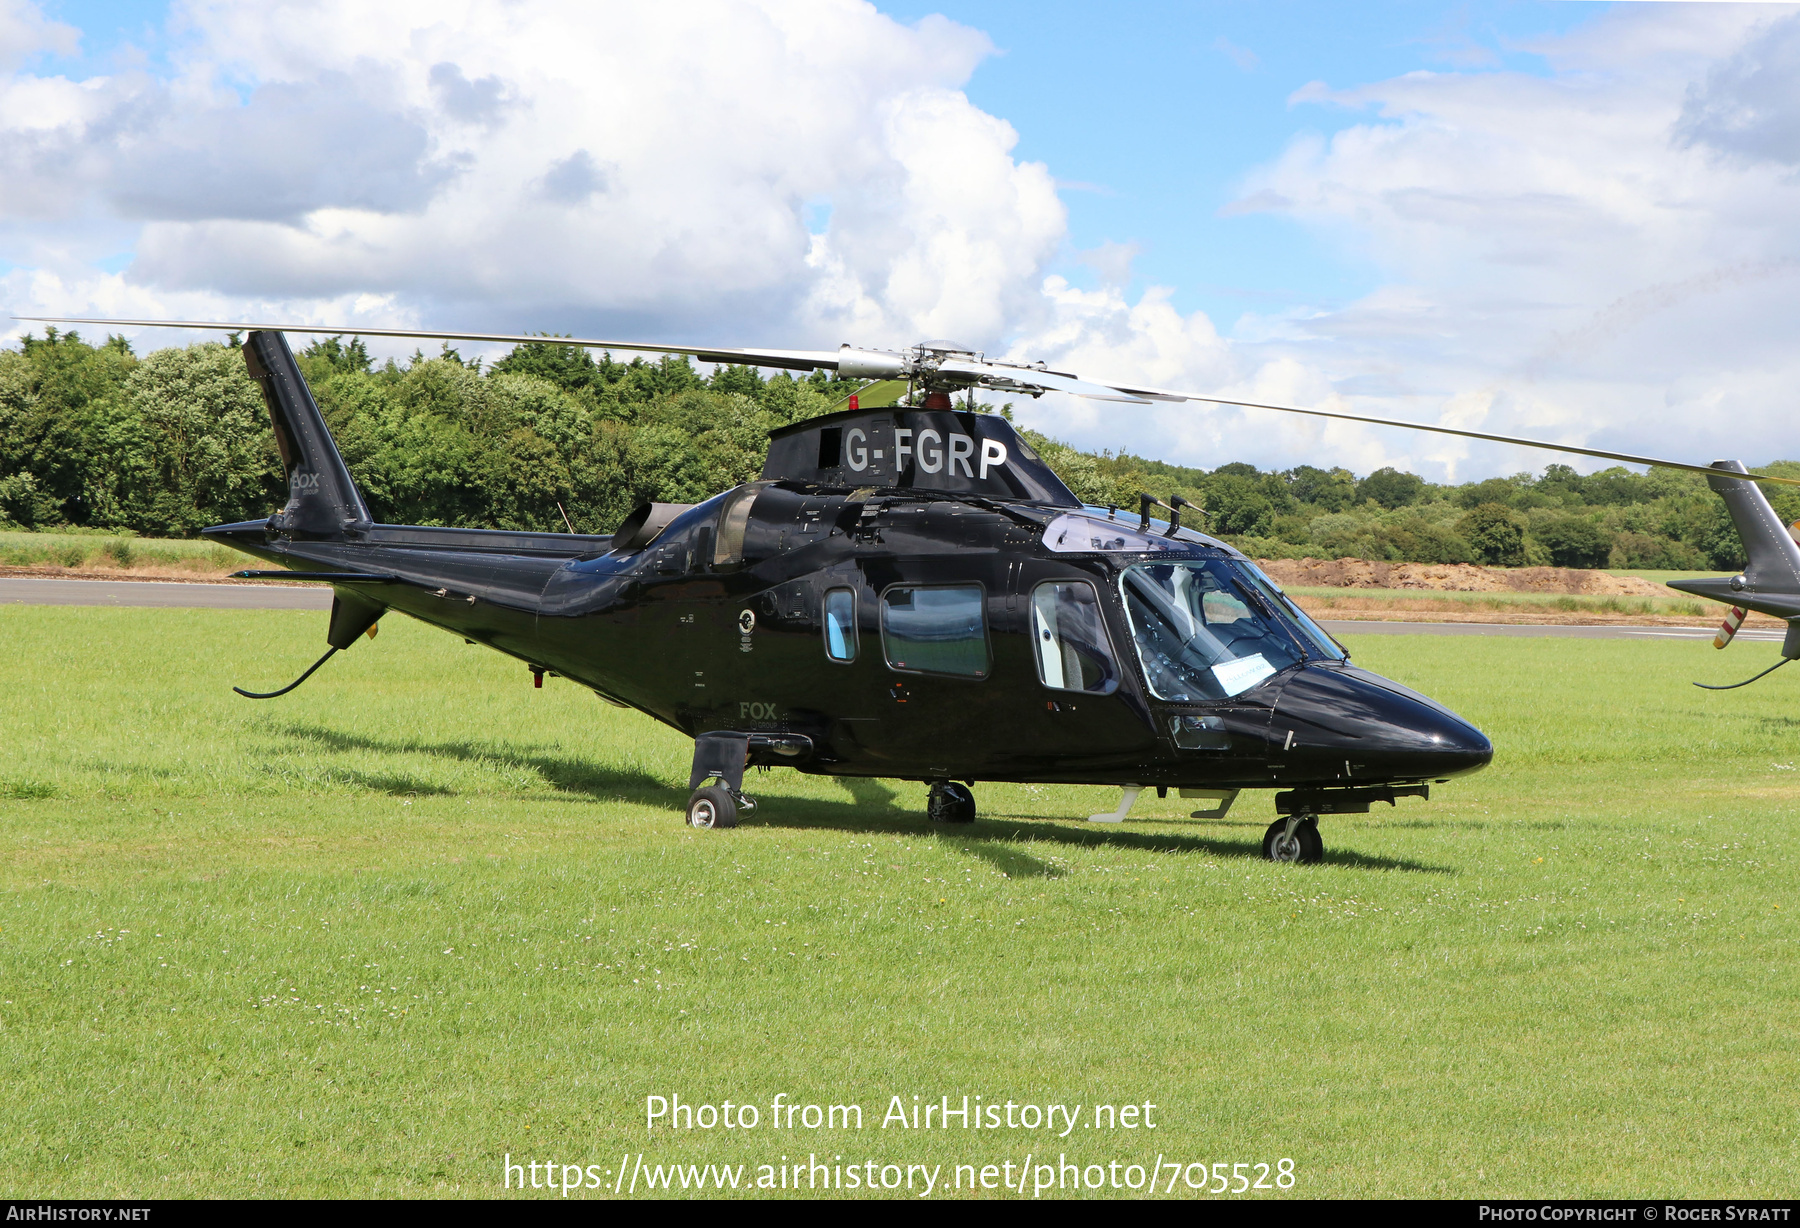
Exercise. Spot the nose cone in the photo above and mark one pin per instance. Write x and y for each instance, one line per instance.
(1356, 725)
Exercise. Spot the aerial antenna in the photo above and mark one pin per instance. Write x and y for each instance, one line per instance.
(290, 686)
(1746, 682)
(565, 516)
(1176, 503)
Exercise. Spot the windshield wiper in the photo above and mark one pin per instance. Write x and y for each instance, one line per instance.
(1261, 603)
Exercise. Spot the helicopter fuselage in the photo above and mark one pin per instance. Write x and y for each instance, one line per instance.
(902, 634)
(909, 592)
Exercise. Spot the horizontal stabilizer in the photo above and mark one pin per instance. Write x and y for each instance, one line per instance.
(328, 577)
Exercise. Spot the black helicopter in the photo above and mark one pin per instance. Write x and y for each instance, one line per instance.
(905, 592)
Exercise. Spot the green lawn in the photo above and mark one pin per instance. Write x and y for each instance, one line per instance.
(372, 938)
(1663, 577)
(1675, 604)
(113, 550)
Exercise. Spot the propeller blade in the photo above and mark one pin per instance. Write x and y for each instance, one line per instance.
(798, 360)
(1626, 457)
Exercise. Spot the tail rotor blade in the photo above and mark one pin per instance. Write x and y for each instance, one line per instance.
(1729, 627)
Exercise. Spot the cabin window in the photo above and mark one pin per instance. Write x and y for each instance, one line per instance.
(936, 630)
(1070, 637)
(840, 624)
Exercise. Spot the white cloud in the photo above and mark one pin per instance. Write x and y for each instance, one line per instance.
(1602, 253)
(584, 167)
(1606, 253)
(25, 32)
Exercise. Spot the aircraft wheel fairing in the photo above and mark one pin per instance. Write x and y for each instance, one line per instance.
(1303, 846)
(950, 803)
(712, 806)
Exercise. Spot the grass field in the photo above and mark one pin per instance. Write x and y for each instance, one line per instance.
(1325, 599)
(110, 552)
(1659, 577)
(373, 938)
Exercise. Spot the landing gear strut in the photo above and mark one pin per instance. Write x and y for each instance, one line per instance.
(950, 803)
(1294, 838)
(718, 757)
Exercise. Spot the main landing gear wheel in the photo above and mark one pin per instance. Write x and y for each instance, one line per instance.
(712, 806)
(1295, 839)
(950, 803)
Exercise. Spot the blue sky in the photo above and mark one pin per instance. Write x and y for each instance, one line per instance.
(1162, 108)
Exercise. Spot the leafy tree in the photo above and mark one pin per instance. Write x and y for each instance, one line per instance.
(1575, 541)
(792, 400)
(187, 444)
(91, 436)
(569, 367)
(53, 392)
(329, 356)
(1238, 504)
(1391, 488)
(1616, 487)
(1085, 476)
(1332, 490)
(1494, 490)
(1717, 538)
(1496, 533)
(741, 380)
(24, 505)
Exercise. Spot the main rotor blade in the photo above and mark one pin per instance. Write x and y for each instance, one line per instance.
(993, 375)
(1166, 395)
(798, 360)
(980, 372)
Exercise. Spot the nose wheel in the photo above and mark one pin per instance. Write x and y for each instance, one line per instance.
(1295, 839)
(950, 803)
(714, 806)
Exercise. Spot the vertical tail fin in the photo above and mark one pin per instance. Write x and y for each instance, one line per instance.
(322, 499)
(1774, 558)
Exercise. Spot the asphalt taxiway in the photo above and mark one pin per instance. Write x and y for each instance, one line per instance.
(166, 595)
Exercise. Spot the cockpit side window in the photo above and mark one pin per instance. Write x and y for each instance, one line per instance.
(1203, 632)
(1069, 634)
(1319, 642)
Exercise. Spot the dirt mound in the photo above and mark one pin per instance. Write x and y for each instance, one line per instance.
(1455, 578)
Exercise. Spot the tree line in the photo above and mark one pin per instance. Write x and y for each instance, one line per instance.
(94, 437)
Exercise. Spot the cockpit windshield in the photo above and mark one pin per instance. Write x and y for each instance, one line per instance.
(1211, 629)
